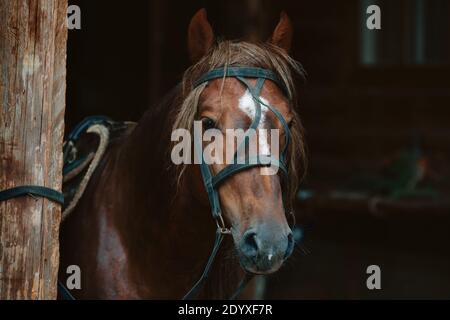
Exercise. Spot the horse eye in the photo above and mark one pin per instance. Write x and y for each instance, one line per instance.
(208, 123)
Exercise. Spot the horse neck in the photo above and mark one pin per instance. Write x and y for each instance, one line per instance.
(157, 219)
(142, 165)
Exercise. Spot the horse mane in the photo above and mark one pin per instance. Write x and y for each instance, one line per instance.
(262, 55)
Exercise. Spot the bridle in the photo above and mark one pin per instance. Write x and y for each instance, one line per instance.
(212, 182)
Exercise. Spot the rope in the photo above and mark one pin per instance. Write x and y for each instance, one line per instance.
(103, 133)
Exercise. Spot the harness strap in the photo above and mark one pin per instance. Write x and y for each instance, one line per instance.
(235, 168)
(64, 292)
(283, 122)
(256, 92)
(193, 293)
(248, 72)
(242, 286)
(253, 91)
(44, 192)
(207, 177)
(39, 191)
(195, 290)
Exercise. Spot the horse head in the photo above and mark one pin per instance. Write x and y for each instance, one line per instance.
(229, 85)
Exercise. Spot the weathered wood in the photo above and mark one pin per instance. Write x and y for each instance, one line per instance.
(33, 36)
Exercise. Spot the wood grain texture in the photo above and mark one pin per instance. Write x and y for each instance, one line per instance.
(33, 37)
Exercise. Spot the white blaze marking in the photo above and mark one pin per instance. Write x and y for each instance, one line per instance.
(270, 257)
(247, 105)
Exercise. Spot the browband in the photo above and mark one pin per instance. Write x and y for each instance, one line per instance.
(245, 72)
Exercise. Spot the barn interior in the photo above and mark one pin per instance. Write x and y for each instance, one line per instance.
(375, 108)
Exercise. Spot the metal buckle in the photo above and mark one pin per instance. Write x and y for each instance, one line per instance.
(221, 226)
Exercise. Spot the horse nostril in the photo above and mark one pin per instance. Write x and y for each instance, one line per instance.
(249, 244)
(290, 246)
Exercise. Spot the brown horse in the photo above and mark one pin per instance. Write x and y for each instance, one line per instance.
(143, 229)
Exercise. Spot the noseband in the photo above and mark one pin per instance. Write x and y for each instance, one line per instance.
(212, 182)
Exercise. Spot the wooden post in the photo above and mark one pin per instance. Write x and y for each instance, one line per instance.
(33, 37)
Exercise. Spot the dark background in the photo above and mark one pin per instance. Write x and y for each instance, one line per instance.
(369, 95)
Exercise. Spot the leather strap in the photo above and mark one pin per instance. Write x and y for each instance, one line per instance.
(242, 286)
(38, 191)
(232, 169)
(246, 72)
(193, 293)
(64, 292)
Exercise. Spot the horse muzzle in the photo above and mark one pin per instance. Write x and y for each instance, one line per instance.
(264, 248)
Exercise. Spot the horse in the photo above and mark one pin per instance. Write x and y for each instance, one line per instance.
(143, 229)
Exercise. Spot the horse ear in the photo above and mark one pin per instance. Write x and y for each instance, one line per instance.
(200, 36)
(282, 35)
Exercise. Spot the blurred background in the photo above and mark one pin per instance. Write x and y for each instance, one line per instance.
(376, 108)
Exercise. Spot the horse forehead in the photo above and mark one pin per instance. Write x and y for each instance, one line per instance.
(235, 97)
(221, 93)
(247, 105)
